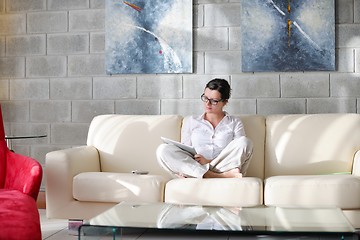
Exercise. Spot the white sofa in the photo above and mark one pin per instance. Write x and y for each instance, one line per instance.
(299, 160)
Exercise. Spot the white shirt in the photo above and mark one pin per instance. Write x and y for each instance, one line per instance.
(207, 140)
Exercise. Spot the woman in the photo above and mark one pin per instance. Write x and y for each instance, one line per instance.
(223, 150)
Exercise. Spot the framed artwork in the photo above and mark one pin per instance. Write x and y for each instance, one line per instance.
(288, 35)
(143, 36)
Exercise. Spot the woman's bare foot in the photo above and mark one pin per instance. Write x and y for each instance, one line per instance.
(233, 173)
(179, 175)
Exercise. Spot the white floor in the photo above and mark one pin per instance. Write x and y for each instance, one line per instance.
(55, 229)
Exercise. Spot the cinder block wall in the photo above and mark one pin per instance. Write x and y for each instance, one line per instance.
(53, 81)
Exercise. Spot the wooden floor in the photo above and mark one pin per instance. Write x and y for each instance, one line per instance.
(41, 200)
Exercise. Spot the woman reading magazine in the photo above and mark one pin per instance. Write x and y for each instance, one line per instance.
(223, 150)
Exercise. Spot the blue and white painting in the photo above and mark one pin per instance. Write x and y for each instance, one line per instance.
(148, 36)
(288, 35)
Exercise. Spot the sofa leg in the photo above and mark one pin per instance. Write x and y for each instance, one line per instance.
(73, 226)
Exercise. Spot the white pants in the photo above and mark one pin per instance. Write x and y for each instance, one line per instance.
(236, 154)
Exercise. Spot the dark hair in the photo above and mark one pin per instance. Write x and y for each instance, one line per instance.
(220, 85)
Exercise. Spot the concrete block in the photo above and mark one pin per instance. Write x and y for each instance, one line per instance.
(344, 10)
(241, 106)
(30, 129)
(15, 111)
(47, 22)
(199, 62)
(196, 107)
(97, 42)
(67, 4)
(46, 66)
(356, 11)
(357, 60)
(347, 35)
(86, 20)
(12, 67)
(85, 111)
(224, 62)
(26, 45)
(50, 111)
(182, 107)
(345, 85)
(331, 105)
(235, 38)
(345, 60)
(29, 89)
(305, 85)
(114, 87)
(159, 86)
(21, 149)
(4, 89)
(220, 15)
(68, 43)
(71, 88)
(7, 125)
(137, 107)
(69, 133)
(97, 4)
(211, 39)
(29, 5)
(259, 85)
(194, 84)
(281, 106)
(198, 16)
(86, 65)
(12, 24)
(208, 1)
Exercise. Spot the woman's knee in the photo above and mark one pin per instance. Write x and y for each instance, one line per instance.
(165, 151)
(245, 142)
(161, 151)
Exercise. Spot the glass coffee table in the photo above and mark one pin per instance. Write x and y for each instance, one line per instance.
(253, 221)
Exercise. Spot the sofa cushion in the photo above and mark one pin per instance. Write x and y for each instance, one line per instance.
(341, 191)
(117, 187)
(230, 192)
(311, 144)
(19, 216)
(129, 142)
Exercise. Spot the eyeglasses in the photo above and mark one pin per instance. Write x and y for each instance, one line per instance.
(211, 101)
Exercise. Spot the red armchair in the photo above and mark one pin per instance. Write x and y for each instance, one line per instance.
(20, 180)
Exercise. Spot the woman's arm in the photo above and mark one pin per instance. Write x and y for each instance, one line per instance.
(239, 129)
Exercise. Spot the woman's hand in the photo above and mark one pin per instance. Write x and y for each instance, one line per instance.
(200, 159)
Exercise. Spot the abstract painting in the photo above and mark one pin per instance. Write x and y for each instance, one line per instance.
(148, 36)
(288, 35)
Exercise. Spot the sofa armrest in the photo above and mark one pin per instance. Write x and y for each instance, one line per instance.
(356, 164)
(60, 168)
(23, 174)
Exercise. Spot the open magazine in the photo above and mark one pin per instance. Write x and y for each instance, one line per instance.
(180, 145)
